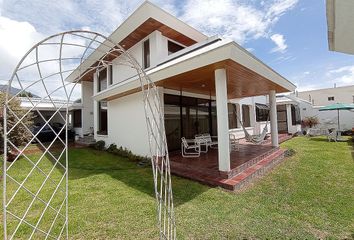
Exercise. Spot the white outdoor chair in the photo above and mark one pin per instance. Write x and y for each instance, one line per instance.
(202, 142)
(209, 140)
(190, 148)
(234, 143)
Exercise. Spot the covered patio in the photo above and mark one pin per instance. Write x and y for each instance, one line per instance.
(249, 161)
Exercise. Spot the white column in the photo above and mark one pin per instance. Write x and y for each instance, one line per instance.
(222, 119)
(273, 118)
(289, 119)
(95, 106)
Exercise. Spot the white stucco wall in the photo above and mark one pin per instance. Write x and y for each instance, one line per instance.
(158, 53)
(87, 107)
(126, 124)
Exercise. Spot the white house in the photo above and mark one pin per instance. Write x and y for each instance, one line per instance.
(206, 84)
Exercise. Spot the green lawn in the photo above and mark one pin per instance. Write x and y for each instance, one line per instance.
(309, 196)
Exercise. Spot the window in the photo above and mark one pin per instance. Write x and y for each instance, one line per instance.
(330, 98)
(295, 115)
(146, 54)
(174, 47)
(246, 120)
(262, 112)
(353, 98)
(232, 115)
(102, 80)
(102, 118)
(110, 73)
(77, 118)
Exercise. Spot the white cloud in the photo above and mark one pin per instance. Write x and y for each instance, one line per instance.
(279, 41)
(342, 75)
(16, 39)
(235, 19)
(23, 22)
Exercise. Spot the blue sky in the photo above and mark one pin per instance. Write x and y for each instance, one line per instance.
(288, 35)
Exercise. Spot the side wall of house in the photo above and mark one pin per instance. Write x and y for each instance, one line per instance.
(158, 53)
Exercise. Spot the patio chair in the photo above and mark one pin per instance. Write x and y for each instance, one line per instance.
(202, 141)
(234, 143)
(190, 148)
(208, 140)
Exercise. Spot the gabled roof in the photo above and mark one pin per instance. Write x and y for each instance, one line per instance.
(143, 21)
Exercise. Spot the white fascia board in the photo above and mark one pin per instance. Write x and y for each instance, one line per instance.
(139, 16)
(330, 23)
(219, 51)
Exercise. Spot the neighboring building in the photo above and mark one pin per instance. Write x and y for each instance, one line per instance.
(205, 83)
(340, 22)
(328, 96)
(47, 110)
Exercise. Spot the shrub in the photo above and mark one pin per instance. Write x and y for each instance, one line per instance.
(126, 153)
(310, 122)
(19, 135)
(111, 148)
(99, 145)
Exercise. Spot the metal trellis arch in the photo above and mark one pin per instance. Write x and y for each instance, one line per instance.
(52, 68)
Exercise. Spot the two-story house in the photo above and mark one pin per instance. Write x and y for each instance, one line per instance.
(207, 84)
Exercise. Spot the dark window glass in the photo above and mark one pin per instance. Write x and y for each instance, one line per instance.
(232, 115)
(174, 47)
(246, 120)
(102, 80)
(110, 69)
(295, 115)
(77, 118)
(262, 113)
(146, 53)
(186, 117)
(102, 118)
(330, 98)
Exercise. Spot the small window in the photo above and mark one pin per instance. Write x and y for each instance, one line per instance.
(232, 115)
(246, 118)
(262, 112)
(353, 98)
(330, 98)
(295, 115)
(174, 47)
(110, 72)
(146, 54)
(102, 80)
(77, 118)
(102, 118)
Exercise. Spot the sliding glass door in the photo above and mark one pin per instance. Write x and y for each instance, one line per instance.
(186, 117)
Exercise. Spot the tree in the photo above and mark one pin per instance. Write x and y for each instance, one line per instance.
(19, 135)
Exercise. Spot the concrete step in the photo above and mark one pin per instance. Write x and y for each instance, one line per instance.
(259, 169)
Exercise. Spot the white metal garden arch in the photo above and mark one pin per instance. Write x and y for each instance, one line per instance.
(45, 69)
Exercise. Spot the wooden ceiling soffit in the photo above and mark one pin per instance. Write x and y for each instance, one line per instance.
(140, 33)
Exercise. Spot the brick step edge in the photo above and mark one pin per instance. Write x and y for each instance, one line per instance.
(249, 164)
(243, 179)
